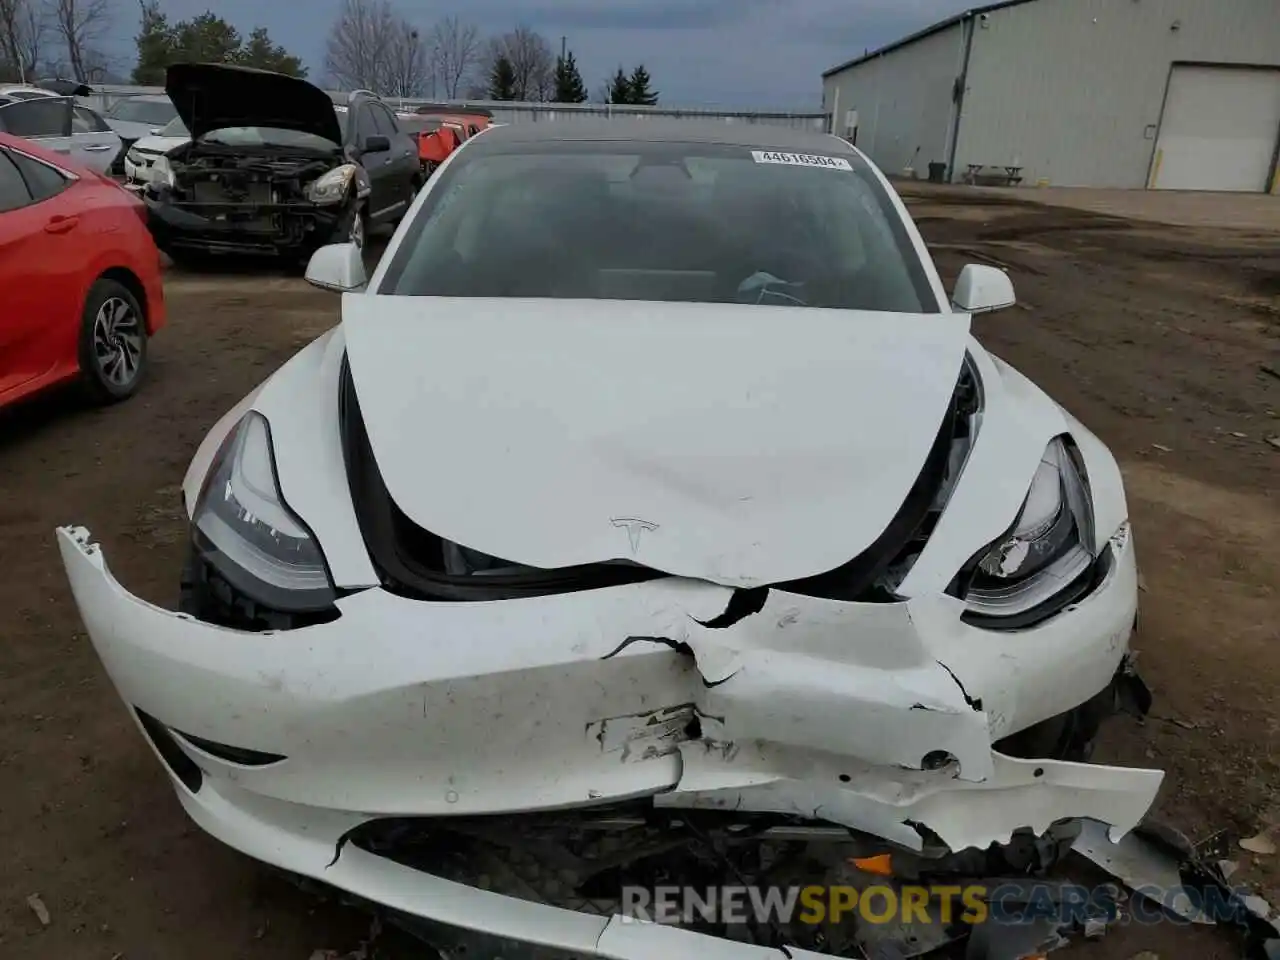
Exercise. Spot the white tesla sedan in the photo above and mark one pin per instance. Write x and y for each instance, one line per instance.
(651, 498)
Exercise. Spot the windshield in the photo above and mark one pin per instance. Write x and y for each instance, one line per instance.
(136, 110)
(175, 128)
(703, 223)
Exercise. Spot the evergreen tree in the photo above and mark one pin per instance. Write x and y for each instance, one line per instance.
(640, 92)
(569, 85)
(502, 80)
(204, 39)
(155, 44)
(261, 52)
(620, 88)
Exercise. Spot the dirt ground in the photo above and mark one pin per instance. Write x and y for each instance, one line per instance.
(1155, 336)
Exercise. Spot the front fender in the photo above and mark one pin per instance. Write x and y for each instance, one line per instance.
(300, 402)
(1017, 422)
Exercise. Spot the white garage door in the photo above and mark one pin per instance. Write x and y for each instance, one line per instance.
(1219, 130)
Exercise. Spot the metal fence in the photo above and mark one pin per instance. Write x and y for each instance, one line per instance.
(508, 111)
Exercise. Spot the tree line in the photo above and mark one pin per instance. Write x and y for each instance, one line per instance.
(370, 45)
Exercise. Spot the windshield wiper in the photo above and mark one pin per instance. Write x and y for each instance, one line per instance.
(762, 284)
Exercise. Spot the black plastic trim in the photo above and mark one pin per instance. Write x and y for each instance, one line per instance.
(179, 764)
(243, 756)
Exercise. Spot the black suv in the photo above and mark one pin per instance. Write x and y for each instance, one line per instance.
(274, 167)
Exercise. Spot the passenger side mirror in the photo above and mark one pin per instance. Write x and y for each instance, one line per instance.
(376, 144)
(338, 267)
(983, 289)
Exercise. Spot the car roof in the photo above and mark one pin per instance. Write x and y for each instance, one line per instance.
(9, 89)
(756, 136)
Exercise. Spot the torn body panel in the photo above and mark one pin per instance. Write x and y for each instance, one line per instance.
(535, 704)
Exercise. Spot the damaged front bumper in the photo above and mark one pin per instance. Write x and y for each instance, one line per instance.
(261, 229)
(876, 717)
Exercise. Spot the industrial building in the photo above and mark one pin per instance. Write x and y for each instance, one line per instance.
(1164, 94)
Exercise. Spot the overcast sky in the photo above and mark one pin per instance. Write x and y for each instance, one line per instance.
(741, 53)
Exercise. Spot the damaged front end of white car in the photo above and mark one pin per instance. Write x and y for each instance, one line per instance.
(505, 749)
(496, 610)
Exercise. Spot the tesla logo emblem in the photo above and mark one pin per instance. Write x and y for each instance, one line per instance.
(634, 528)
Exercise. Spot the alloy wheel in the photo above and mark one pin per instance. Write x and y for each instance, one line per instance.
(117, 341)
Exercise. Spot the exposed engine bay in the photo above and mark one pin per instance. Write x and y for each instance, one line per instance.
(217, 197)
(222, 178)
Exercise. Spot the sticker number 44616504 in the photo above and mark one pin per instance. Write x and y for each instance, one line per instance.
(800, 160)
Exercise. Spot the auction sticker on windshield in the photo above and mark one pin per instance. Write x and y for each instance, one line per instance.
(800, 160)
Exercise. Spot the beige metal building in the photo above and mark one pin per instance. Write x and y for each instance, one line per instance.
(1165, 94)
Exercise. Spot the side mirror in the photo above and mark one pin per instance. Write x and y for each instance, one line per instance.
(376, 144)
(983, 289)
(338, 267)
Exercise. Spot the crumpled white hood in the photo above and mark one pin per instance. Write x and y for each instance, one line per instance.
(738, 444)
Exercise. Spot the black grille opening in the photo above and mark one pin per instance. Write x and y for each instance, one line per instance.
(182, 766)
(244, 756)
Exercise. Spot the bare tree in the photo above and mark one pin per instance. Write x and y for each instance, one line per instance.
(79, 23)
(407, 70)
(371, 46)
(22, 30)
(358, 47)
(455, 53)
(531, 59)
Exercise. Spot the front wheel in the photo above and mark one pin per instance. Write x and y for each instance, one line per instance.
(113, 342)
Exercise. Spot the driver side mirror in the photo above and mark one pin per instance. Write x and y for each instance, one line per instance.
(338, 267)
(376, 144)
(983, 289)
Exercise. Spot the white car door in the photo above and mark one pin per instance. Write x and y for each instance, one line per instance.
(44, 120)
(93, 143)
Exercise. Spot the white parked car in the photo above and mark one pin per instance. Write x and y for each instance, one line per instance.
(139, 116)
(59, 124)
(652, 500)
(140, 157)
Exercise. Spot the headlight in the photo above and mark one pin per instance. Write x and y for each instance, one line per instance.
(162, 173)
(1048, 551)
(243, 527)
(332, 187)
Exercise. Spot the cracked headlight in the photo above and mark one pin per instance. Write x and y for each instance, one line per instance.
(162, 173)
(1043, 563)
(243, 527)
(333, 186)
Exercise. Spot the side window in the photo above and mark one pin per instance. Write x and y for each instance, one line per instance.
(385, 122)
(364, 124)
(42, 180)
(13, 190)
(84, 120)
(38, 117)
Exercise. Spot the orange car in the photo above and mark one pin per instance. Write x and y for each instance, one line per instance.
(442, 129)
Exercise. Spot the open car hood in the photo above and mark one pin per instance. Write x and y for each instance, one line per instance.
(212, 96)
(743, 445)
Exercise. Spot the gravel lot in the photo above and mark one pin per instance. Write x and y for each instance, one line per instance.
(1155, 336)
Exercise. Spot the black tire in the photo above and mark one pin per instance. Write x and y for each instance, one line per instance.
(113, 342)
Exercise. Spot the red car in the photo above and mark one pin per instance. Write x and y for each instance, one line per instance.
(79, 277)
